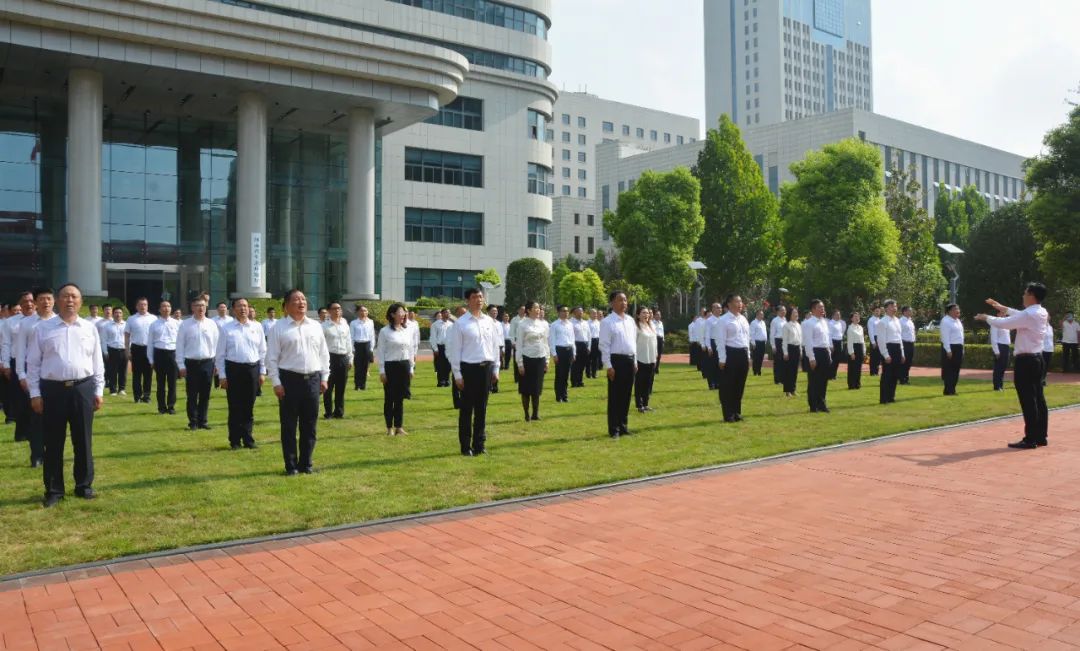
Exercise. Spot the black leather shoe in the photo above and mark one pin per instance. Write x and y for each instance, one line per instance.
(535, 417)
(326, 416)
(162, 411)
(1041, 444)
(309, 471)
(251, 446)
(170, 411)
(737, 418)
(37, 463)
(339, 416)
(614, 435)
(86, 493)
(205, 426)
(1023, 444)
(192, 427)
(292, 472)
(51, 501)
(234, 446)
(823, 410)
(625, 432)
(466, 453)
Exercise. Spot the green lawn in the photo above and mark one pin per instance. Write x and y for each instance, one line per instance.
(162, 487)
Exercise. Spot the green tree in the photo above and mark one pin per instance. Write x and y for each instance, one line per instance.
(950, 222)
(596, 287)
(557, 274)
(986, 270)
(1054, 176)
(657, 225)
(606, 264)
(742, 239)
(489, 275)
(528, 279)
(917, 279)
(574, 290)
(635, 294)
(842, 243)
(573, 262)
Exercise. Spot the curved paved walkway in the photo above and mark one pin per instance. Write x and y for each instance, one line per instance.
(946, 540)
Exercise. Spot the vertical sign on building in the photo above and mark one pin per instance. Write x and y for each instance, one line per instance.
(256, 260)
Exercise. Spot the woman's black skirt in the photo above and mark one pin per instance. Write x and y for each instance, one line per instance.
(532, 382)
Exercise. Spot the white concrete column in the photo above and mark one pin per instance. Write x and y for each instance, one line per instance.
(251, 240)
(84, 181)
(360, 207)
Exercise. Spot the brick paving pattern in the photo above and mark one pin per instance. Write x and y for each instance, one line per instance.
(946, 540)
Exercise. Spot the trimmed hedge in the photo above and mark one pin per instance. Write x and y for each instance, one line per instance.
(977, 356)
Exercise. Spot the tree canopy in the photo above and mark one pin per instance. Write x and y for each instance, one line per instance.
(528, 279)
(987, 269)
(1054, 176)
(917, 279)
(582, 288)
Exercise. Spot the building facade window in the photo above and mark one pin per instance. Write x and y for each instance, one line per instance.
(486, 11)
(537, 127)
(443, 226)
(605, 199)
(679, 140)
(566, 172)
(462, 113)
(591, 248)
(450, 283)
(582, 193)
(667, 138)
(566, 136)
(537, 238)
(566, 190)
(581, 139)
(592, 218)
(640, 132)
(566, 118)
(539, 179)
(609, 127)
(626, 129)
(577, 219)
(566, 154)
(446, 168)
(577, 244)
(581, 122)
(652, 135)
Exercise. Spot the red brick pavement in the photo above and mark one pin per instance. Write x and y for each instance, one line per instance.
(931, 541)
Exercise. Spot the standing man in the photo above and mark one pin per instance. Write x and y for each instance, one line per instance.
(268, 322)
(1070, 336)
(692, 339)
(776, 333)
(196, 347)
(111, 334)
(137, 340)
(508, 341)
(891, 349)
(712, 363)
(561, 342)
(101, 323)
(66, 382)
(836, 333)
(1030, 325)
(581, 348)
(817, 346)
(17, 401)
(733, 355)
(871, 330)
(241, 365)
(759, 339)
(363, 337)
(324, 314)
(493, 312)
(952, 348)
(907, 340)
(618, 351)
(437, 341)
(1000, 344)
(298, 363)
(594, 344)
(339, 344)
(1048, 349)
(658, 326)
(521, 313)
(33, 426)
(703, 343)
(473, 349)
(221, 319)
(161, 353)
(459, 312)
(414, 331)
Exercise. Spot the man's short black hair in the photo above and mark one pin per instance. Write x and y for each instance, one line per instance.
(816, 302)
(470, 291)
(289, 295)
(38, 291)
(949, 307)
(614, 293)
(1038, 290)
(888, 302)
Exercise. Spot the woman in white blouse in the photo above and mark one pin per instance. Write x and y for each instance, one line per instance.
(646, 359)
(792, 347)
(395, 351)
(532, 353)
(855, 342)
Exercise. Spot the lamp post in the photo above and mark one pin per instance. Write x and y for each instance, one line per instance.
(951, 265)
(699, 285)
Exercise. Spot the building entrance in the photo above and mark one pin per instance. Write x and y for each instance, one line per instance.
(174, 283)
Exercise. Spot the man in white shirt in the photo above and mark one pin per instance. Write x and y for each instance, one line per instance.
(111, 334)
(1001, 345)
(1048, 349)
(473, 348)
(776, 334)
(196, 348)
(298, 364)
(618, 352)
(493, 312)
(362, 330)
(871, 332)
(102, 321)
(66, 381)
(161, 353)
(437, 341)
(817, 347)
(759, 340)
(269, 321)
(17, 401)
(455, 394)
(136, 340)
(1070, 337)
(561, 342)
(31, 421)
(222, 318)
(413, 327)
(594, 344)
(692, 336)
(732, 336)
(836, 333)
(952, 348)
(339, 343)
(240, 361)
(1030, 325)
(581, 348)
(907, 342)
(712, 364)
(891, 349)
(513, 338)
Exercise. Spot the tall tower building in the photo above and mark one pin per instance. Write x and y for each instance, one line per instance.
(769, 61)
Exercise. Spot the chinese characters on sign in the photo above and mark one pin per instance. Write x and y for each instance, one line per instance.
(256, 260)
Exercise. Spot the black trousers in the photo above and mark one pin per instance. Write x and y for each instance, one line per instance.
(790, 368)
(563, 357)
(909, 357)
(837, 357)
(508, 353)
(890, 373)
(18, 404)
(817, 384)
(581, 360)
(472, 417)
(733, 381)
(116, 370)
(759, 354)
(1001, 363)
(618, 394)
(712, 367)
(1027, 378)
(300, 406)
(110, 384)
(854, 367)
(950, 368)
(68, 404)
(361, 360)
(166, 370)
(659, 352)
(397, 377)
(243, 385)
(778, 361)
(875, 356)
(594, 357)
(442, 367)
(1070, 358)
(141, 373)
(695, 352)
(198, 378)
(335, 388)
(1047, 358)
(643, 384)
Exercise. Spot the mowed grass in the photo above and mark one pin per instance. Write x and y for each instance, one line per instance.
(161, 486)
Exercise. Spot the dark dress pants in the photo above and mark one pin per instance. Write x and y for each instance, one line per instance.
(300, 406)
(1001, 364)
(618, 394)
(508, 353)
(950, 368)
(909, 358)
(472, 417)
(166, 370)
(695, 350)
(643, 384)
(361, 360)
(733, 382)
(854, 367)
(18, 404)
(659, 352)
(1027, 378)
(817, 384)
(837, 356)
(1070, 361)
(116, 369)
(442, 367)
(778, 361)
(759, 355)
(397, 374)
(198, 376)
(790, 368)
(563, 357)
(68, 404)
(1047, 358)
(581, 360)
(890, 373)
(141, 373)
(243, 384)
(875, 356)
(713, 367)
(594, 357)
(334, 398)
